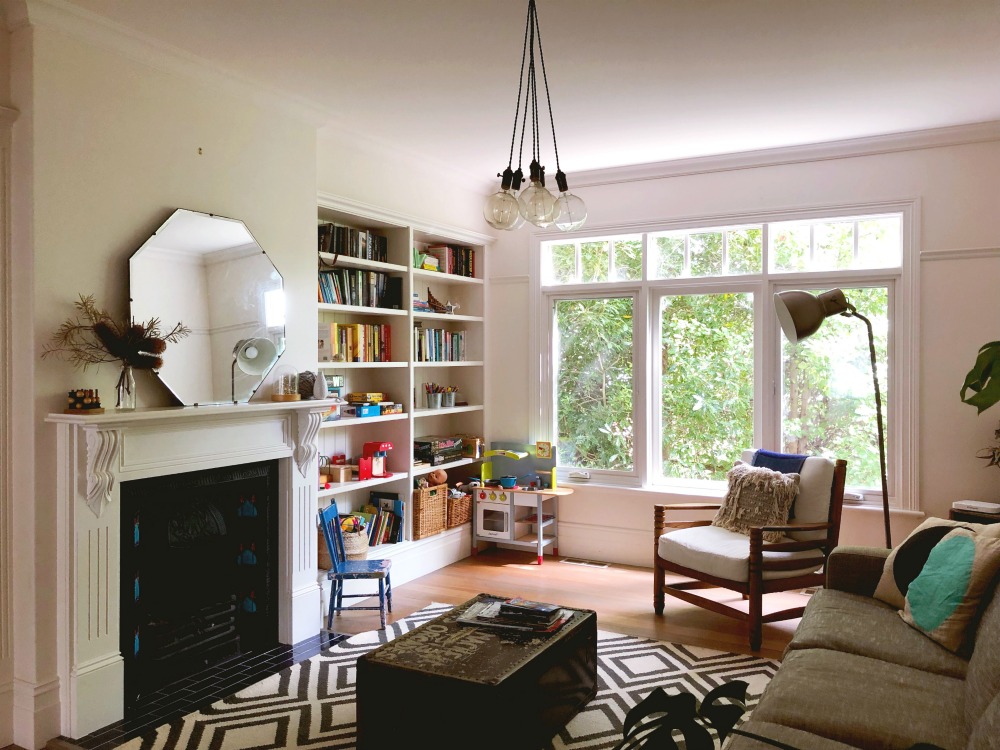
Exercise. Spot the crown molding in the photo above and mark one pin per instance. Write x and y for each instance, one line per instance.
(102, 32)
(376, 213)
(957, 135)
(971, 253)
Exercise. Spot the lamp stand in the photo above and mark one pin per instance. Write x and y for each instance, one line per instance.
(881, 429)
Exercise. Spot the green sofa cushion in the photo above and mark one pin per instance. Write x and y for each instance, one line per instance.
(987, 729)
(864, 702)
(983, 679)
(864, 626)
(793, 737)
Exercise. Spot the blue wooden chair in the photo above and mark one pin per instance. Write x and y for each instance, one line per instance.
(349, 570)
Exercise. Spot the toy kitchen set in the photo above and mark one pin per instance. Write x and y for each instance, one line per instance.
(517, 502)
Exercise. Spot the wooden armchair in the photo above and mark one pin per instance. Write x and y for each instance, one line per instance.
(710, 556)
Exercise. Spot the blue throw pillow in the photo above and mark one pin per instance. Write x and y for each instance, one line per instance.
(786, 463)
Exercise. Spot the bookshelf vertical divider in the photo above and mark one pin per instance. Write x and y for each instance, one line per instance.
(443, 344)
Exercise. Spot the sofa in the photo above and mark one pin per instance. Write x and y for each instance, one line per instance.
(855, 675)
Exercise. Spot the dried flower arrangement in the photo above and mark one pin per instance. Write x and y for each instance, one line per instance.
(94, 336)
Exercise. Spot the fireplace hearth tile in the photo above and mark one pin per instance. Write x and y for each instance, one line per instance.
(200, 690)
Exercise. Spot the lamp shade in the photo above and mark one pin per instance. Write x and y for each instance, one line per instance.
(255, 356)
(800, 314)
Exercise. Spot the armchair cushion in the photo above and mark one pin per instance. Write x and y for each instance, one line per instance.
(726, 554)
(757, 496)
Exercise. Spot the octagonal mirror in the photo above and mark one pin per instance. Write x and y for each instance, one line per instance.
(209, 273)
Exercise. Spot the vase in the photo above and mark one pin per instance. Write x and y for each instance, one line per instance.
(126, 389)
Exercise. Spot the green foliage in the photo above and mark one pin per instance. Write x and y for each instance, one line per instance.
(828, 398)
(706, 351)
(594, 383)
(983, 379)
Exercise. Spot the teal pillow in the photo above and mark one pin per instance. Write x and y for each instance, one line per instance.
(943, 601)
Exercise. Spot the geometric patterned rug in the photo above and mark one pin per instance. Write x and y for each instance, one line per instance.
(311, 704)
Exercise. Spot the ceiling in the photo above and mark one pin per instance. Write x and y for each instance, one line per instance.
(631, 81)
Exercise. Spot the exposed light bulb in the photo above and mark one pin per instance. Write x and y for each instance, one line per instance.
(572, 212)
(502, 210)
(538, 205)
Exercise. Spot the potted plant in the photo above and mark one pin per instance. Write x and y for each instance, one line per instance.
(983, 379)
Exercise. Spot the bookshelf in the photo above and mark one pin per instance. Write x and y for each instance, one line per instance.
(409, 364)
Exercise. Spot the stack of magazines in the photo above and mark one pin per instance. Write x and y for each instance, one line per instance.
(517, 614)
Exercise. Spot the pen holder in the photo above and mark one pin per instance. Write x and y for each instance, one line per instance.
(447, 398)
(434, 400)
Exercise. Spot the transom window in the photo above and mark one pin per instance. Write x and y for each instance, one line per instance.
(665, 359)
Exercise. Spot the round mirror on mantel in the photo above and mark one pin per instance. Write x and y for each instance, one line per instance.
(209, 273)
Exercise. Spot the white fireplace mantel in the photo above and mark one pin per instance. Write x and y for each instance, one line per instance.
(95, 454)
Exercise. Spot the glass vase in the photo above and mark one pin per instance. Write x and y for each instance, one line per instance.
(126, 389)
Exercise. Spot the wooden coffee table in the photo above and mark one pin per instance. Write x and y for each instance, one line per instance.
(461, 686)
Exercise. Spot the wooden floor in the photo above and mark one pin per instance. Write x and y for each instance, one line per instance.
(621, 595)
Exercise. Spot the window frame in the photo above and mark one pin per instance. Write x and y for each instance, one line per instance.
(900, 415)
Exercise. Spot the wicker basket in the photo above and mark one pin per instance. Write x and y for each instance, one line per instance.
(355, 547)
(429, 510)
(459, 511)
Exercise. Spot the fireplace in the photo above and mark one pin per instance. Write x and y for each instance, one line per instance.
(198, 572)
(101, 459)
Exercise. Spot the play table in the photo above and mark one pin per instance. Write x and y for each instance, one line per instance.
(520, 517)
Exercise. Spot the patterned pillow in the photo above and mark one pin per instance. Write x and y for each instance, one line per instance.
(907, 560)
(756, 496)
(944, 599)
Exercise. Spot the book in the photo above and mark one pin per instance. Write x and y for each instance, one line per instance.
(526, 609)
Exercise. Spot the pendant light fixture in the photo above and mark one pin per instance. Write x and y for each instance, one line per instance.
(505, 209)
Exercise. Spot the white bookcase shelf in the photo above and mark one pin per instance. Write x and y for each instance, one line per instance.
(403, 378)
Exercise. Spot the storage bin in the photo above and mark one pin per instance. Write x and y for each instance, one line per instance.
(459, 511)
(429, 510)
(355, 548)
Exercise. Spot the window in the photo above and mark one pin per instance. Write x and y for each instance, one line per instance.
(665, 359)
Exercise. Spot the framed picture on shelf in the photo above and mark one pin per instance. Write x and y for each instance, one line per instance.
(543, 449)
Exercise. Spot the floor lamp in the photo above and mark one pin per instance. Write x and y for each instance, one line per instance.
(800, 315)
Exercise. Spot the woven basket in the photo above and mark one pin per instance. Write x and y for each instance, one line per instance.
(355, 547)
(429, 510)
(459, 511)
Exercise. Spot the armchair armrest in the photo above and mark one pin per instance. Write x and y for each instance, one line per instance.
(660, 523)
(855, 570)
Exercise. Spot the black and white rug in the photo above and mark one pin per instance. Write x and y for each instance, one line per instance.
(311, 704)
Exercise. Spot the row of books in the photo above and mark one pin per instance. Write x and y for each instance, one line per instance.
(354, 342)
(384, 513)
(354, 243)
(516, 613)
(354, 286)
(438, 344)
(460, 261)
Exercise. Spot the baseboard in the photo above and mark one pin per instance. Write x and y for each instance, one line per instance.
(36, 713)
(622, 546)
(6, 713)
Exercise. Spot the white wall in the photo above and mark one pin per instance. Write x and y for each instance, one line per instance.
(958, 187)
(395, 179)
(106, 148)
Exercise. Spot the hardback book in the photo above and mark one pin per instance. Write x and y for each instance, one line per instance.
(527, 607)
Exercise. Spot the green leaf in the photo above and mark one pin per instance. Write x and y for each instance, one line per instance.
(983, 379)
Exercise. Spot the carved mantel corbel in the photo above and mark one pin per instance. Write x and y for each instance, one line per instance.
(103, 447)
(305, 441)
